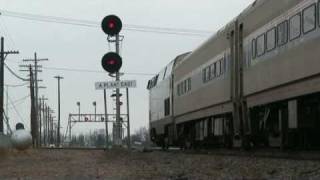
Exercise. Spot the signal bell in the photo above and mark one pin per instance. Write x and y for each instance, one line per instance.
(111, 62)
(111, 25)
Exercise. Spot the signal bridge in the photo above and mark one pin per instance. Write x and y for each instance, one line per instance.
(92, 118)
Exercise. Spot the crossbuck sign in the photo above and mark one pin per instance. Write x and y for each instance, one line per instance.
(115, 84)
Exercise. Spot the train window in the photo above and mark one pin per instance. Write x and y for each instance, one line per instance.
(205, 124)
(253, 47)
(218, 68)
(282, 33)
(309, 19)
(148, 86)
(184, 86)
(204, 75)
(208, 74)
(261, 45)
(189, 84)
(222, 66)
(213, 71)
(295, 27)
(181, 88)
(271, 39)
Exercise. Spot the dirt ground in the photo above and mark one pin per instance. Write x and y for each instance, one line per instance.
(121, 164)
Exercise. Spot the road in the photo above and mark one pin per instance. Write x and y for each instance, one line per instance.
(121, 164)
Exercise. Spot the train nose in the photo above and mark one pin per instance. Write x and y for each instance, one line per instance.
(20, 138)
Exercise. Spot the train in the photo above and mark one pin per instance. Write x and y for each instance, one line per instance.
(254, 83)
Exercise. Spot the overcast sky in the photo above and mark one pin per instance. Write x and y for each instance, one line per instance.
(78, 47)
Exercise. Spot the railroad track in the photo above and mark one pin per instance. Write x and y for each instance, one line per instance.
(257, 153)
(71, 148)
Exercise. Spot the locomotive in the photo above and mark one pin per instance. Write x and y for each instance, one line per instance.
(255, 83)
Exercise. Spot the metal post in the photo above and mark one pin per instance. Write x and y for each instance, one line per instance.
(51, 130)
(58, 128)
(1, 84)
(95, 110)
(118, 125)
(78, 104)
(48, 126)
(70, 137)
(128, 120)
(106, 118)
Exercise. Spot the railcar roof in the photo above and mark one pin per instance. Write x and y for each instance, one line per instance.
(223, 30)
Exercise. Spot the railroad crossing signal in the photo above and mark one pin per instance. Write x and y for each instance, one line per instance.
(111, 25)
(111, 62)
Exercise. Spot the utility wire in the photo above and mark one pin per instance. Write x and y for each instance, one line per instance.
(44, 17)
(15, 109)
(18, 103)
(16, 85)
(86, 23)
(86, 70)
(21, 99)
(92, 71)
(6, 31)
(13, 73)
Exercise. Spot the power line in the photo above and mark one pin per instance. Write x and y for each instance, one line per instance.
(86, 70)
(93, 71)
(15, 109)
(13, 73)
(86, 23)
(6, 31)
(16, 85)
(21, 99)
(19, 102)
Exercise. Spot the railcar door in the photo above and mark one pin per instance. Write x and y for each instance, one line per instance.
(240, 115)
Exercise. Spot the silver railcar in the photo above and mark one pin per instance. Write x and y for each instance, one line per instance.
(255, 82)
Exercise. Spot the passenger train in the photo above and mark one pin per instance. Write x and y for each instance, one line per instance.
(255, 83)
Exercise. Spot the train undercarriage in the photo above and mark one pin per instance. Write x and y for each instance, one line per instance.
(288, 124)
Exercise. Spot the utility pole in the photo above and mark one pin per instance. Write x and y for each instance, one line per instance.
(36, 92)
(33, 120)
(41, 118)
(45, 122)
(7, 104)
(3, 55)
(58, 130)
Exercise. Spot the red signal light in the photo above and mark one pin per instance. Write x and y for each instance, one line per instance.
(111, 62)
(111, 25)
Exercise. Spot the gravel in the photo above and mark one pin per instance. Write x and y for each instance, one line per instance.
(121, 164)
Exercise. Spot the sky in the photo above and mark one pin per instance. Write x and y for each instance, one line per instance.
(79, 47)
